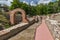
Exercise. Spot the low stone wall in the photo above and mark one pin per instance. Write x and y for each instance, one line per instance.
(7, 33)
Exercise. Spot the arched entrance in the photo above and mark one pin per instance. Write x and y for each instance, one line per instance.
(12, 15)
(18, 17)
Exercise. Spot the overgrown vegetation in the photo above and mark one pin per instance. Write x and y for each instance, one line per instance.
(4, 22)
(42, 9)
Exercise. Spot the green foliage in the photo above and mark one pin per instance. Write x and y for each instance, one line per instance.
(29, 9)
(42, 9)
(58, 2)
(4, 21)
(15, 4)
(3, 18)
(7, 25)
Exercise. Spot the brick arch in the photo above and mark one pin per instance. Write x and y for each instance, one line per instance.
(12, 15)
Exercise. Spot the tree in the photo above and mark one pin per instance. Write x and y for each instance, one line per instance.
(58, 2)
(30, 10)
(53, 7)
(15, 4)
(41, 9)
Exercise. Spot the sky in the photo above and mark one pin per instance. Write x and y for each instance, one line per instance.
(36, 0)
(32, 2)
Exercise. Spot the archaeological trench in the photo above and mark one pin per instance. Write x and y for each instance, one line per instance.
(11, 31)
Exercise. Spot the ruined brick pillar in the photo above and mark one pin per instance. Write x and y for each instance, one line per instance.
(12, 16)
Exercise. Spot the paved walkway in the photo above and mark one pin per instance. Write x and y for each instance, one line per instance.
(43, 33)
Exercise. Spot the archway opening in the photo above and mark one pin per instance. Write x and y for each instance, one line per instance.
(18, 17)
(13, 13)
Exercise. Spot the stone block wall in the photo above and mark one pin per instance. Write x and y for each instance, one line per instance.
(7, 33)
